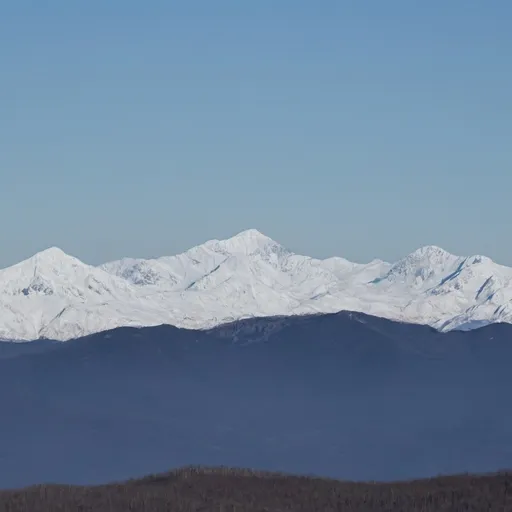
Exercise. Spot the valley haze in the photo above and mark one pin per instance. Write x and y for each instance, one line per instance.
(344, 395)
(56, 296)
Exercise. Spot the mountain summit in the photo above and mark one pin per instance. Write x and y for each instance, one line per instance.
(57, 296)
(246, 242)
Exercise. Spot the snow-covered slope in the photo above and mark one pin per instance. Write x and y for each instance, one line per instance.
(56, 296)
(54, 289)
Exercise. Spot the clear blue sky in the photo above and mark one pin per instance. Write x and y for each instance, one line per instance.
(359, 129)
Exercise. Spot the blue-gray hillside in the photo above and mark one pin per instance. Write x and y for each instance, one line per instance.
(344, 395)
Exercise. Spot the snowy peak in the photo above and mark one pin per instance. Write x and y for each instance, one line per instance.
(427, 257)
(422, 268)
(51, 254)
(46, 288)
(52, 272)
(432, 253)
(52, 261)
(51, 257)
(183, 271)
(246, 242)
(477, 278)
(55, 295)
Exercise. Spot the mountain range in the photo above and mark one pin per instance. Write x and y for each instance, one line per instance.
(56, 296)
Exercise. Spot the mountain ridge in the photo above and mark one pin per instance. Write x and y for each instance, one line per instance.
(343, 395)
(55, 295)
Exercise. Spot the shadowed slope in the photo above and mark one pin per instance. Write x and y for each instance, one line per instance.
(343, 395)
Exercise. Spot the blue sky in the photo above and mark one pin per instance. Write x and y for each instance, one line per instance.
(359, 129)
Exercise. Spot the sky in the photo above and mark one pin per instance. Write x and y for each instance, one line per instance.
(358, 129)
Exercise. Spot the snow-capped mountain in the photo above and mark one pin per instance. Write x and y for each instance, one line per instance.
(56, 296)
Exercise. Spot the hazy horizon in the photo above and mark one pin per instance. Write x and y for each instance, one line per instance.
(363, 131)
(154, 256)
